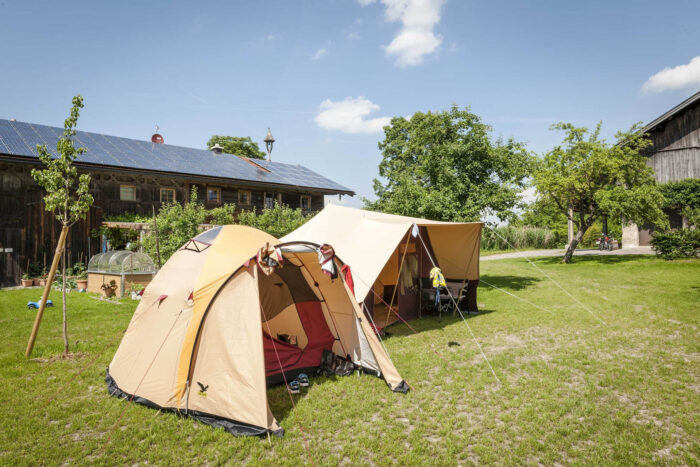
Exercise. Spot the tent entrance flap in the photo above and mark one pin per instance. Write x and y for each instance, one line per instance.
(296, 332)
(294, 359)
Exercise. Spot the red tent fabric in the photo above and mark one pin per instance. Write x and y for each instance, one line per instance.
(292, 358)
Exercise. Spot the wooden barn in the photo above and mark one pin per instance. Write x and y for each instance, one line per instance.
(131, 176)
(674, 155)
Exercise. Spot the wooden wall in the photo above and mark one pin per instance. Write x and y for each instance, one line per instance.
(29, 234)
(675, 153)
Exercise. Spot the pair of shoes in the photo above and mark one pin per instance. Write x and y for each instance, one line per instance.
(294, 387)
(303, 380)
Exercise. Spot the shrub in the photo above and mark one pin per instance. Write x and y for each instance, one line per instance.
(177, 223)
(278, 221)
(681, 194)
(682, 243)
(501, 238)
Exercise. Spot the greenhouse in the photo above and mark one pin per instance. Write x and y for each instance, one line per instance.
(121, 271)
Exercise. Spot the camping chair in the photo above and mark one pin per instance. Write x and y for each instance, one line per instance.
(458, 292)
(428, 292)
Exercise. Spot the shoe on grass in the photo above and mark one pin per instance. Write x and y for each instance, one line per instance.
(294, 387)
(303, 380)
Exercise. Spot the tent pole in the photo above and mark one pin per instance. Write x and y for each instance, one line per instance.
(324, 301)
(398, 276)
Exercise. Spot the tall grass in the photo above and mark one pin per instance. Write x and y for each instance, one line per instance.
(507, 237)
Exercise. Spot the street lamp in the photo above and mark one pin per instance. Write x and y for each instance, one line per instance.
(269, 141)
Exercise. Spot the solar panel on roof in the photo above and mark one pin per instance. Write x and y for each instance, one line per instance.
(20, 138)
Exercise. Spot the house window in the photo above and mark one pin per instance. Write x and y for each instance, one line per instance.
(213, 195)
(305, 202)
(244, 197)
(127, 192)
(167, 195)
(269, 200)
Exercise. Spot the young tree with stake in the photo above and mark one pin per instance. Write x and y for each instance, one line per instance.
(586, 178)
(68, 197)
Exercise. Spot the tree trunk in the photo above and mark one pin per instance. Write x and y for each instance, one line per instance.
(585, 224)
(65, 322)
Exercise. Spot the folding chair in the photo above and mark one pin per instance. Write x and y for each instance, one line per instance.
(428, 294)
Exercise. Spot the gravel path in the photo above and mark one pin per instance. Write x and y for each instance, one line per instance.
(642, 250)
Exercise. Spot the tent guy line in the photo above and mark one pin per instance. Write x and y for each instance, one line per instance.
(286, 383)
(406, 323)
(403, 321)
(515, 296)
(550, 278)
(454, 302)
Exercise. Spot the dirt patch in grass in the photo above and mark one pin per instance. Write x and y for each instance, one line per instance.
(62, 357)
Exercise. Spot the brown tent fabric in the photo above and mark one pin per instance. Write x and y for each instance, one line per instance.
(373, 244)
(199, 341)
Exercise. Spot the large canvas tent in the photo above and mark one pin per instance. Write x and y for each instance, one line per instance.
(388, 260)
(204, 341)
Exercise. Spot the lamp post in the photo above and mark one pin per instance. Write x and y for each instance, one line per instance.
(269, 141)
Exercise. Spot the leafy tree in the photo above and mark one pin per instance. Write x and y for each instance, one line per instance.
(278, 221)
(446, 166)
(238, 145)
(543, 213)
(596, 178)
(681, 194)
(67, 193)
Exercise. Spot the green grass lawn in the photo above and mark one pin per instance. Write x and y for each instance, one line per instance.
(572, 390)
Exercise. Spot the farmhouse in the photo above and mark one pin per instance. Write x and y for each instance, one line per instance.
(674, 155)
(131, 176)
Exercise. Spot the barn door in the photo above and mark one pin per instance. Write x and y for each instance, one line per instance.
(10, 268)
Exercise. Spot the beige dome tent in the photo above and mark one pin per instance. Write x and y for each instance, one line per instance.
(205, 339)
(389, 256)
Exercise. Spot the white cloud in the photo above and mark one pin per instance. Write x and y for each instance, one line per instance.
(350, 116)
(353, 36)
(674, 78)
(319, 53)
(417, 37)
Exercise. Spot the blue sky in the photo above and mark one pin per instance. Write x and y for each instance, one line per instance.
(325, 75)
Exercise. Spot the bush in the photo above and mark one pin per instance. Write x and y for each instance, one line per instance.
(278, 221)
(682, 243)
(501, 238)
(681, 194)
(178, 223)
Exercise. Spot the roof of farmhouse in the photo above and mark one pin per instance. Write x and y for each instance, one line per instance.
(19, 140)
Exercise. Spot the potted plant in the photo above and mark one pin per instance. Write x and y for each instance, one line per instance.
(136, 291)
(34, 272)
(43, 277)
(109, 289)
(26, 280)
(82, 281)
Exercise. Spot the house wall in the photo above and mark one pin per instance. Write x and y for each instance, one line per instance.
(29, 234)
(675, 151)
(674, 155)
